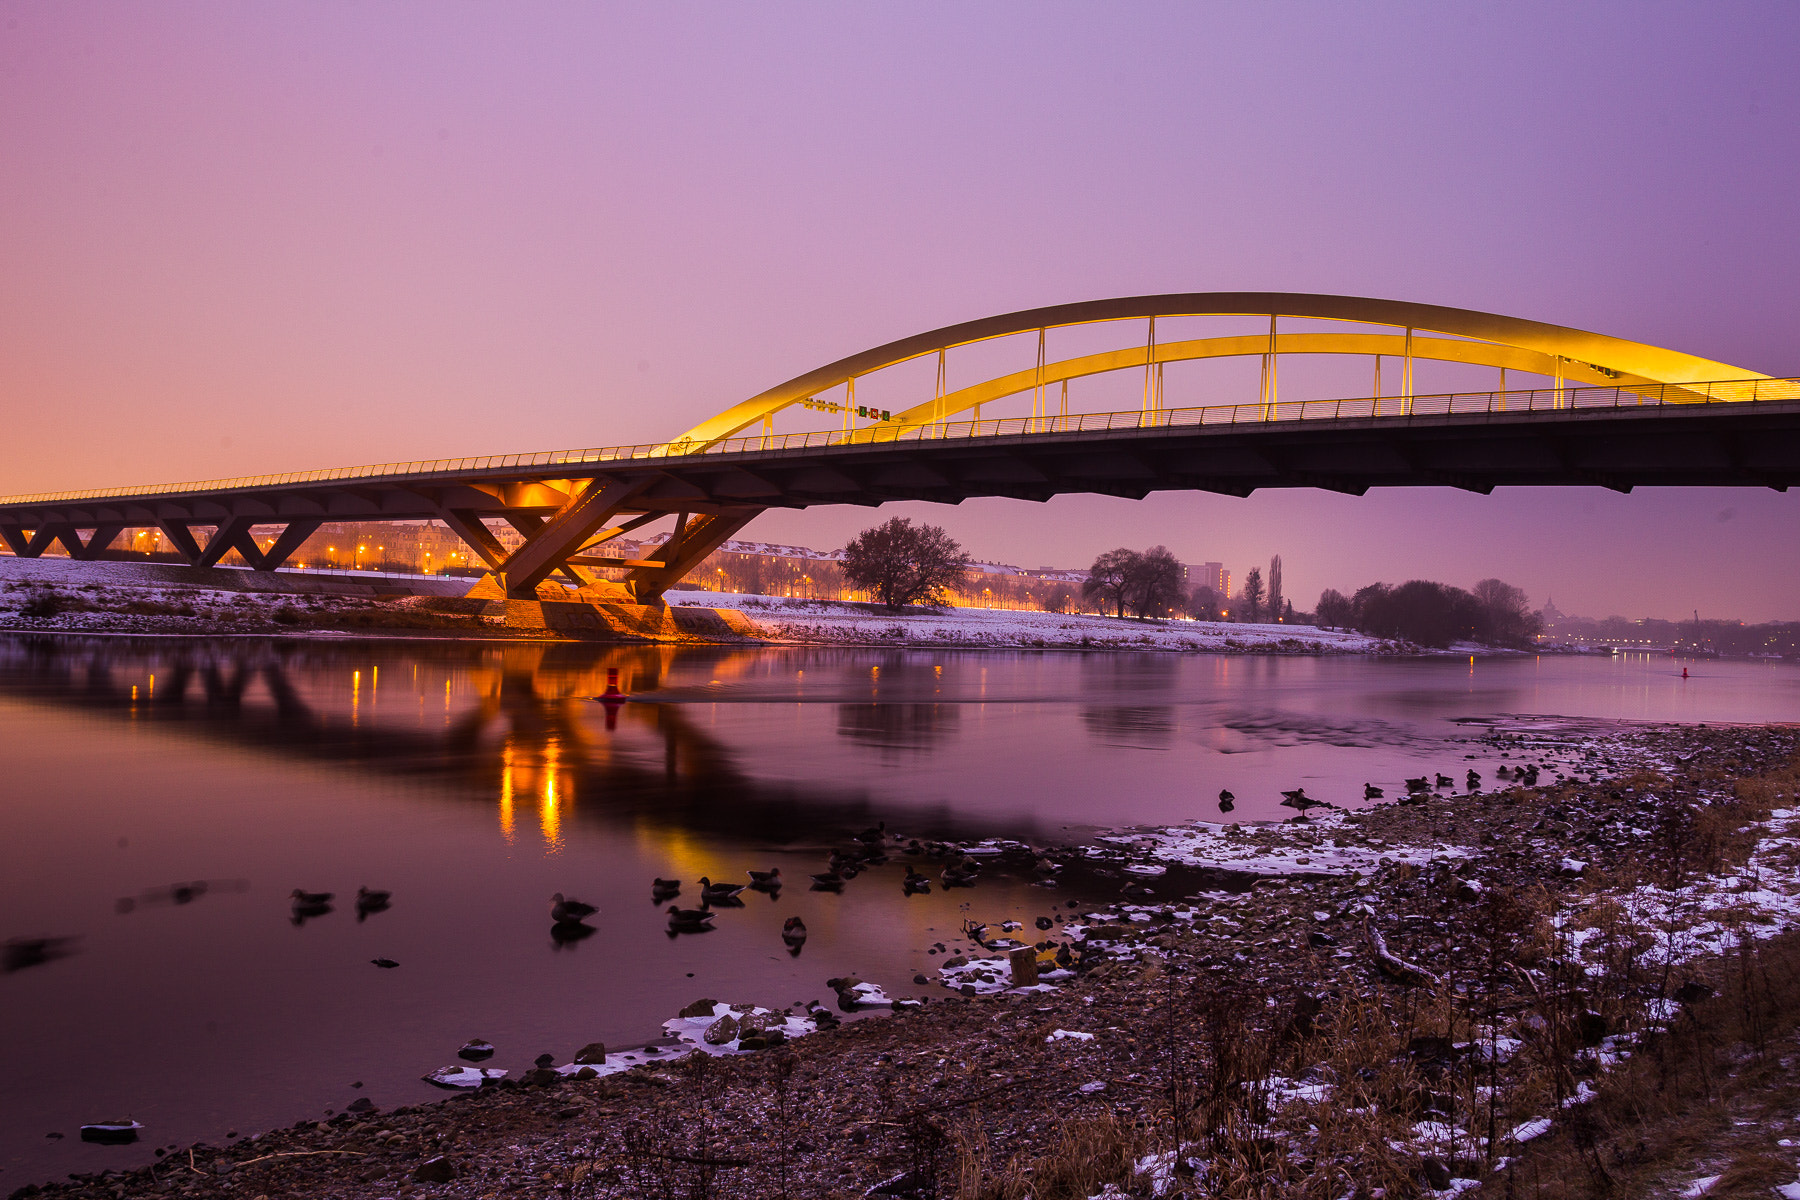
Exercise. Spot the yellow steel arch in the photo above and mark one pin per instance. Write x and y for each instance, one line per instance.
(1509, 342)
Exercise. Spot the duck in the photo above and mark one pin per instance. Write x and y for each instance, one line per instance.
(955, 875)
(1420, 784)
(386, 964)
(1444, 780)
(1371, 792)
(1503, 772)
(370, 901)
(664, 889)
(874, 835)
(794, 931)
(915, 884)
(828, 881)
(767, 880)
(689, 920)
(714, 893)
(304, 899)
(1473, 779)
(567, 910)
(1225, 797)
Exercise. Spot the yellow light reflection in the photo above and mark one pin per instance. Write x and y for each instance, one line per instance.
(355, 694)
(549, 815)
(506, 791)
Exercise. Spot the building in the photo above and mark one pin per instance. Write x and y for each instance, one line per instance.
(1208, 575)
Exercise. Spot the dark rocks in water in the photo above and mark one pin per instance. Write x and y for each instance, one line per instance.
(592, 1054)
(111, 1133)
(699, 1008)
(386, 964)
(476, 1050)
(1045, 923)
(921, 980)
(545, 1060)
(435, 1170)
(362, 1104)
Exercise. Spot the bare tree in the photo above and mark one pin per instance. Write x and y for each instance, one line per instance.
(1509, 620)
(903, 564)
(1109, 578)
(1335, 610)
(1153, 586)
(1253, 594)
(1275, 610)
(1060, 599)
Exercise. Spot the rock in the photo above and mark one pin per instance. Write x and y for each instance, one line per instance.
(545, 1060)
(1315, 938)
(1045, 923)
(721, 1031)
(1024, 967)
(593, 1053)
(760, 1022)
(435, 1170)
(1434, 1172)
(476, 1050)
(920, 979)
(1692, 992)
(541, 1077)
(222, 1166)
(362, 1104)
(699, 1008)
(586, 1073)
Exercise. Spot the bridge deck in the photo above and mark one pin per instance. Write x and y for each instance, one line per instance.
(1611, 437)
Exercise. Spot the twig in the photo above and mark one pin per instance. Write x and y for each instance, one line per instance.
(299, 1154)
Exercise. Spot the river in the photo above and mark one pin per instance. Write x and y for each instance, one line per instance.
(475, 779)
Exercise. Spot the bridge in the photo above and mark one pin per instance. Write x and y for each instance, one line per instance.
(1613, 413)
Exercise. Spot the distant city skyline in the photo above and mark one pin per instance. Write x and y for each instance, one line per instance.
(280, 237)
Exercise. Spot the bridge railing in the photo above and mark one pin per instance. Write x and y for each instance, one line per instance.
(1634, 395)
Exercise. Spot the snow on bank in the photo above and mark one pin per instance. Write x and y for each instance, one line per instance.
(1275, 851)
(864, 624)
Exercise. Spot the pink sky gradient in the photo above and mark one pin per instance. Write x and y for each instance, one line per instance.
(269, 237)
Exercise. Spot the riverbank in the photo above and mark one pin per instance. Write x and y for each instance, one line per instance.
(836, 622)
(57, 595)
(1433, 994)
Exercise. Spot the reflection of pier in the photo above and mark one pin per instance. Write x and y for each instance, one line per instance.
(514, 725)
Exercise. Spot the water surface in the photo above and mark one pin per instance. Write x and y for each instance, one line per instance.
(476, 779)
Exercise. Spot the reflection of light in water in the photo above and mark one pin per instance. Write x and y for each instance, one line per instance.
(686, 856)
(506, 788)
(355, 694)
(549, 818)
(153, 687)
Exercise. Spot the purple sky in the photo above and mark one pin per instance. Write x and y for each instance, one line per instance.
(245, 238)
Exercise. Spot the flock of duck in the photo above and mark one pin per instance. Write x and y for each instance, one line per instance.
(1417, 788)
(568, 916)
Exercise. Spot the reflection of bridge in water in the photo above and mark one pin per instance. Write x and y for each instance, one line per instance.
(513, 725)
(1609, 412)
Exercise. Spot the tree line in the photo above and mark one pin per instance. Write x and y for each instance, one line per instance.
(1495, 613)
